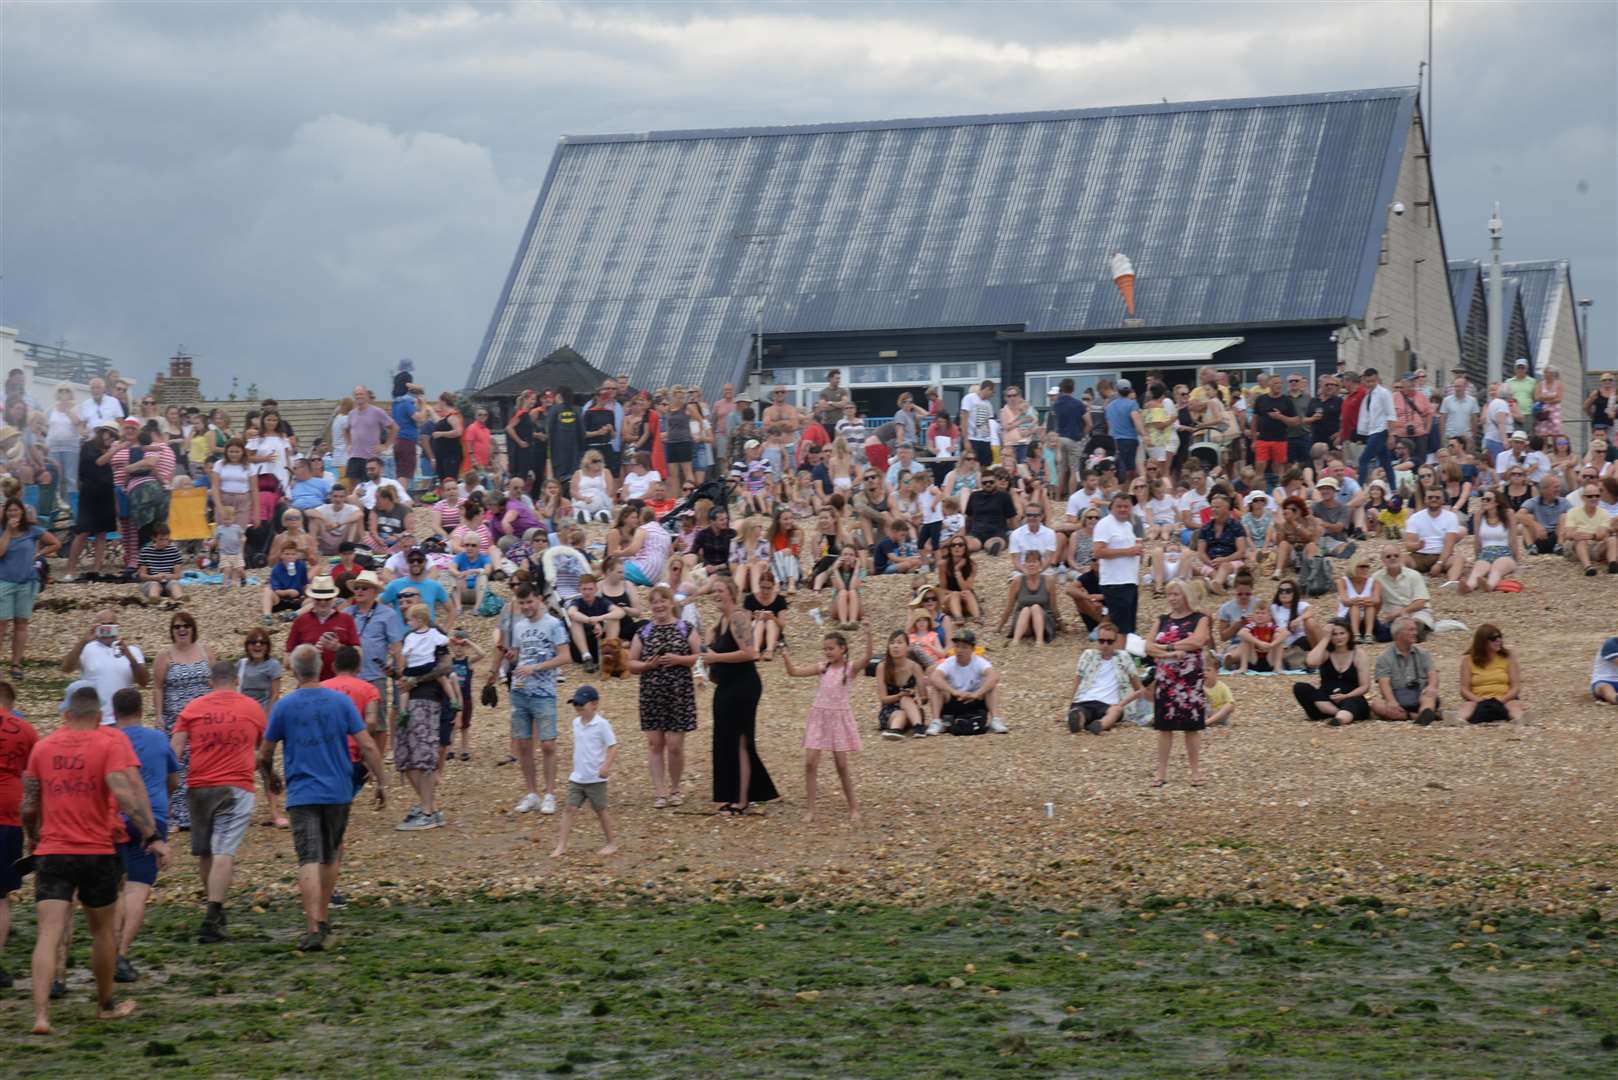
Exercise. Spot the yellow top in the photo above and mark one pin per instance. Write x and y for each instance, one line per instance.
(1492, 680)
(1218, 695)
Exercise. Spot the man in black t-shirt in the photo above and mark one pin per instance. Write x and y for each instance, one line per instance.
(590, 617)
(988, 512)
(1328, 405)
(1271, 413)
(600, 426)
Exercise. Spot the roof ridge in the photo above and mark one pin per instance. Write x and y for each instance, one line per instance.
(984, 119)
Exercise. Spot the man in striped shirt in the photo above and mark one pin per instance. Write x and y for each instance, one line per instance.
(159, 573)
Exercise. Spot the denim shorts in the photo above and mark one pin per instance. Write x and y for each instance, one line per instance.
(533, 717)
(17, 599)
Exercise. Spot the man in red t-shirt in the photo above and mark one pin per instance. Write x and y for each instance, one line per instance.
(366, 698)
(223, 729)
(77, 779)
(17, 739)
(323, 626)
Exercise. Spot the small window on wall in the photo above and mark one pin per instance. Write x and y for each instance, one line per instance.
(814, 374)
(917, 374)
(959, 371)
(869, 373)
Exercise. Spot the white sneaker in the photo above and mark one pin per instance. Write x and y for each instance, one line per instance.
(891, 734)
(814, 613)
(528, 802)
(997, 726)
(936, 727)
(547, 805)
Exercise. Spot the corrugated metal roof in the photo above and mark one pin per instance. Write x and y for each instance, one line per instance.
(651, 253)
(1544, 284)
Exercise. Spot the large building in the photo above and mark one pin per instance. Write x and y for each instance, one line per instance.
(1285, 233)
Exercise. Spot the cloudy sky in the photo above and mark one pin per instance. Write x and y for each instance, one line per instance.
(294, 191)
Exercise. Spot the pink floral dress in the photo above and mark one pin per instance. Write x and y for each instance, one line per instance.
(830, 725)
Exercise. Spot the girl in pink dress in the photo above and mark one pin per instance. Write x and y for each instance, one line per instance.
(830, 725)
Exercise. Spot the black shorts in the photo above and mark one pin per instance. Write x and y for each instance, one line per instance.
(95, 878)
(930, 532)
(317, 832)
(1298, 451)
(678, 453)
(1082, 712)
(10, 852)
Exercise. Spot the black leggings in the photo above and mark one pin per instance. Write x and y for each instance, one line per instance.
(1308, 696)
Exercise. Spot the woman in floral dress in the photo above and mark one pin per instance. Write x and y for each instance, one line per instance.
(179, 677)
(663, 654)
(1180, 704)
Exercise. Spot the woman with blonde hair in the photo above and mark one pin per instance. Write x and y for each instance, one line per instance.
(592, 489)
(339, 431)
(841, 467)
(749, 554)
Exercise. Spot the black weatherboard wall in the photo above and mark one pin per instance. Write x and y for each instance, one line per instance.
(1262, 345)
(847, 349)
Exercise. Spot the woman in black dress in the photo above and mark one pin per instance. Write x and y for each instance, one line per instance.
(1180, 702)
(1345, 679)
(521, 454)
(739, 777)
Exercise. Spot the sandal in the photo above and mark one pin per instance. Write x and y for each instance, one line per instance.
(676, 799)
(1157, 783)
(659, 803)
(507, 760)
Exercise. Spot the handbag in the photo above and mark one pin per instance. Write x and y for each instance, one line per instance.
(1490, 711)
(972, 723)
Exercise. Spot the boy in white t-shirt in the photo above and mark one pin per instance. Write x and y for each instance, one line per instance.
(595, 749)
(958, 682)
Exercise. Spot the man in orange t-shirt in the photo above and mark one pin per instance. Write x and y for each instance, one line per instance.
(366, 698)
(77, 779)
(223, 729)
(17, 739)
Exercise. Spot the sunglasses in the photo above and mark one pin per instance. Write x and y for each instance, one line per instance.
(175, 628)
(258, 641)
(1107, 641)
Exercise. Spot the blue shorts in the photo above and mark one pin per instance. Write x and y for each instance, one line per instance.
(140, 866)
(10, 852)
(17, 599)
(533, 717)
(1602, 682)
(636, 575)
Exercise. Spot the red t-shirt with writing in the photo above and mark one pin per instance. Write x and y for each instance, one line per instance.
(225, 729)
(79, 812)
(17, 739)
(361, 693)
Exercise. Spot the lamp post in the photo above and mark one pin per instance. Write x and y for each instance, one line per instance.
(1584, 336)
(759, 239)
(1497, 343)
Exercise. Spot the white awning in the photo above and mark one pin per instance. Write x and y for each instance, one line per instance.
(1148, 353)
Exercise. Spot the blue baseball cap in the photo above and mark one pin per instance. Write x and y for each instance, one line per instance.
(583, 694)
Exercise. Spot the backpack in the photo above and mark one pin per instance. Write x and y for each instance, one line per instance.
(972, 723)
(490, 605)
(1316, 577)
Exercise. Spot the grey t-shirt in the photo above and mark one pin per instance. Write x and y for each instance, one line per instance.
(229, 538)
(1405, 672)
(1335, 514)
(255, 680)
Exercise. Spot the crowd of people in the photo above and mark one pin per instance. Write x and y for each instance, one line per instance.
(426, 564)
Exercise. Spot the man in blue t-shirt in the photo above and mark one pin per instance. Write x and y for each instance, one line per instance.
(1124, 427)
(318, 726)
(160, 774)
(1071, 421)
(429, 591)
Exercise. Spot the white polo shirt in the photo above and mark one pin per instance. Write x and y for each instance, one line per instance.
(590, 744)
(111, 673)
(1024, 539)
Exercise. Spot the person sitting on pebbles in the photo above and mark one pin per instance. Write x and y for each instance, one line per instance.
(1105, 681)
(1604, 675)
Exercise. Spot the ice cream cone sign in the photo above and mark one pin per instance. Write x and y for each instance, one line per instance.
(1123, 276)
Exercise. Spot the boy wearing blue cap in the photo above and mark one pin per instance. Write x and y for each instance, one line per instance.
(595, 749)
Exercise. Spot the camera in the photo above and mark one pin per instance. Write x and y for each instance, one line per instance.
(1398, 209)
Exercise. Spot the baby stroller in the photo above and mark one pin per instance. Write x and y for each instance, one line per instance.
(716, 490)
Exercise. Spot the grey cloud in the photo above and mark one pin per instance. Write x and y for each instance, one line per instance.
(320, 188)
